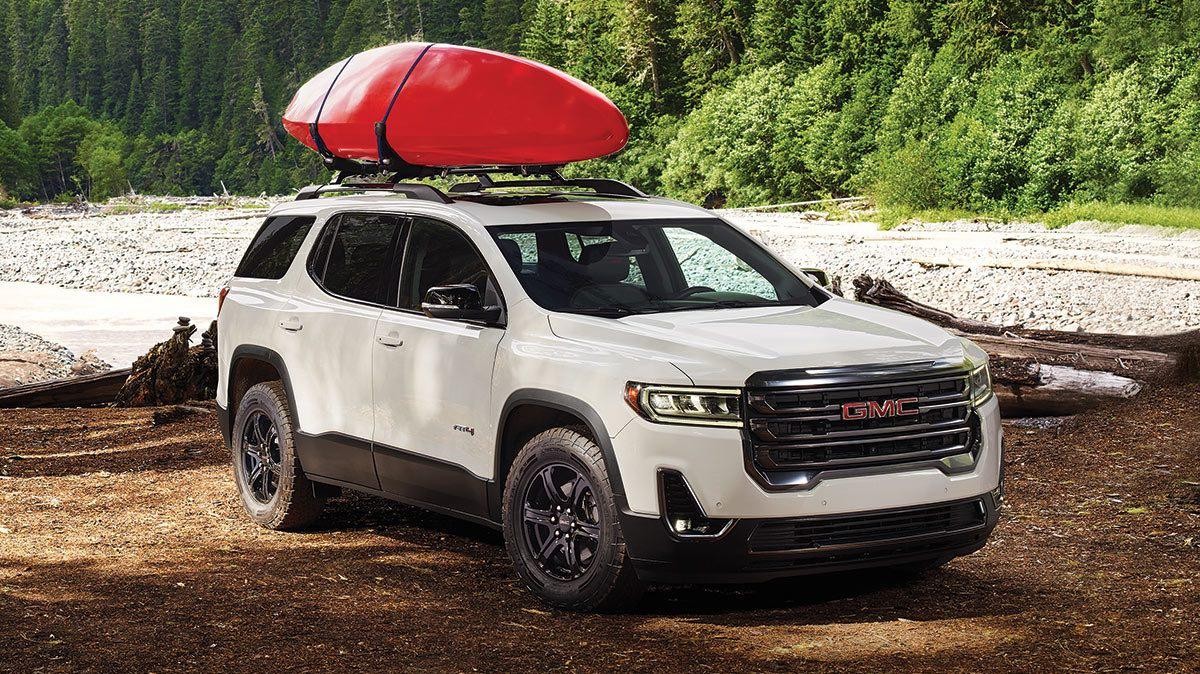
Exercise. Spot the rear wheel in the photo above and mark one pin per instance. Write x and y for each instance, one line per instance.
(274, 490)
(561, 525)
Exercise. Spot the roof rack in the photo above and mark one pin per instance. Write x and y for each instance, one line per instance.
(410, 190)
(549, 177)
(483, 181)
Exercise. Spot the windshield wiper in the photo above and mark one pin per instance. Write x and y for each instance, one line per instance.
(720, 304)
(604, 312)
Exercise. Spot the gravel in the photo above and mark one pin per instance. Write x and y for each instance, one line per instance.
(1062, 300)
(16, 340)
(26, 358)
(192, 252)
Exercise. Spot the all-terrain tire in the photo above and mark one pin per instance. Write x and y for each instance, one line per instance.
(294, 503)
(610, 582)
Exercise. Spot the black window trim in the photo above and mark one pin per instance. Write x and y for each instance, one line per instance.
(397, 256)
(333, 220)
(259, 232)
(502, 324)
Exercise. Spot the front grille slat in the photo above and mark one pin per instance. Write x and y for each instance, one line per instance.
(814, 533)
(801, 427)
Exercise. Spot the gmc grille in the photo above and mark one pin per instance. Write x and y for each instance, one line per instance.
(809, 533)
(797, 431)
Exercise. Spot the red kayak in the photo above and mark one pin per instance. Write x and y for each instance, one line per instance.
(439, 105)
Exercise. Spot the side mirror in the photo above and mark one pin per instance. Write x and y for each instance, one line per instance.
(461, 302)
(820, 276)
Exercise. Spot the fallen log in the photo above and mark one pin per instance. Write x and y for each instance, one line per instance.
(1057, 390)
(1148, 354)
(1049, 372)
(87, 391)
(1113, 268)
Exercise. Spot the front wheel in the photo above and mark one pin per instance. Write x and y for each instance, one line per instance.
(561, 525)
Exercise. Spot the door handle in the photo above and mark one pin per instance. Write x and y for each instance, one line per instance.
(391, 339)
(292, 324)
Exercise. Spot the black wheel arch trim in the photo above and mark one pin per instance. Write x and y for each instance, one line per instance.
(563, 403)
(244, 351)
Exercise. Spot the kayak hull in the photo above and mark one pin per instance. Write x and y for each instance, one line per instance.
(438, 105)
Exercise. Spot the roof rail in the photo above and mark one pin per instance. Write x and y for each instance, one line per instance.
(602, 186)
(410, 190)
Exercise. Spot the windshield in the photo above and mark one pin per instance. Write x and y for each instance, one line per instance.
(647, 266)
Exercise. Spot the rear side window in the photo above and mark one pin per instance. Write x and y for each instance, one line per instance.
(274, 247)
(355, 257)
(438, 254)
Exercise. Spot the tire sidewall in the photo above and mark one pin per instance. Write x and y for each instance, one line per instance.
(598, 579)
(260, 398)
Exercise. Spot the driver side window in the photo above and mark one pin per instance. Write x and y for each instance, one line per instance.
(438, 254)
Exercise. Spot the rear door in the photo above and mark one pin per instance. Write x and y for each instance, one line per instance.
(352, 274)
(434, 438)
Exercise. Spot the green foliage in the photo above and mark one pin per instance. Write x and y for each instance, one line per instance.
(959, 105)
(101, 155)
(1125, 214)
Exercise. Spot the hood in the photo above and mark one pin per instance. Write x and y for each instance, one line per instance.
(723, 347)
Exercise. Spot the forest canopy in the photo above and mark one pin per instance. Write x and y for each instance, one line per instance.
(970, 104)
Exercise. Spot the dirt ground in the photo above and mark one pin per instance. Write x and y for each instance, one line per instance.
(123, 548)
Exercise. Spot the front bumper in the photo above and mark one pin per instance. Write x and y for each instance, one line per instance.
(713, 460)
(742, 554)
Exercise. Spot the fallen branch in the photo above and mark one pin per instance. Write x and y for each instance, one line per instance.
(1057, 390)
(87, 391)
(1114, 268)
(1178, 351)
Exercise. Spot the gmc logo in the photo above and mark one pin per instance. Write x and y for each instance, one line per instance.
(900, 407)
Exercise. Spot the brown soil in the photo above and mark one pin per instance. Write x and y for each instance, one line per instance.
(123, 548)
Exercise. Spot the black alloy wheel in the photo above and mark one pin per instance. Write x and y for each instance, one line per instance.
(561, 521)
(260, 457)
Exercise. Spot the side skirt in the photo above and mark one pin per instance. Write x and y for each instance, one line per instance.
(424, 505)
(396, 474)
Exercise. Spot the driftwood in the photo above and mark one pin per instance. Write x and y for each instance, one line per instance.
(1049, 372)
(173, 372)
(1058, 390)
(1114, 268)
(87, 391)
(1177, 353)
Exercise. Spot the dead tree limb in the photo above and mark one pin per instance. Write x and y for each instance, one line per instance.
(1178, 352)
(88, 391)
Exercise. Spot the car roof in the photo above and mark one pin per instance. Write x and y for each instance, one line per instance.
(489, 213)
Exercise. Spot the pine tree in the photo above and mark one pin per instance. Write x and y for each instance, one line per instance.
(120, 57)
(85, 51)
(51, 66)
(546, 33)
(10, 106)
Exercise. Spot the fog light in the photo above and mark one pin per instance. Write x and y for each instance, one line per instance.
(685, 517)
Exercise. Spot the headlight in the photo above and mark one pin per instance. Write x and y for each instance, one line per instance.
(981, 385)
(980, 380)
(686, 404)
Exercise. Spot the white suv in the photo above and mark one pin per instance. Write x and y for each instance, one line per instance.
(631, 388)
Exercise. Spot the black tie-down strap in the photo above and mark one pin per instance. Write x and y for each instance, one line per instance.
(389, 160)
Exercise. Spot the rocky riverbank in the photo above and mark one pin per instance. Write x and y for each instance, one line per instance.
(26, 358)
(194, 250)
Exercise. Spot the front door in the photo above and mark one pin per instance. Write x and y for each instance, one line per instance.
(434, 438)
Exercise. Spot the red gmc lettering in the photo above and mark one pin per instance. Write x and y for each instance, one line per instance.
(900, 407)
